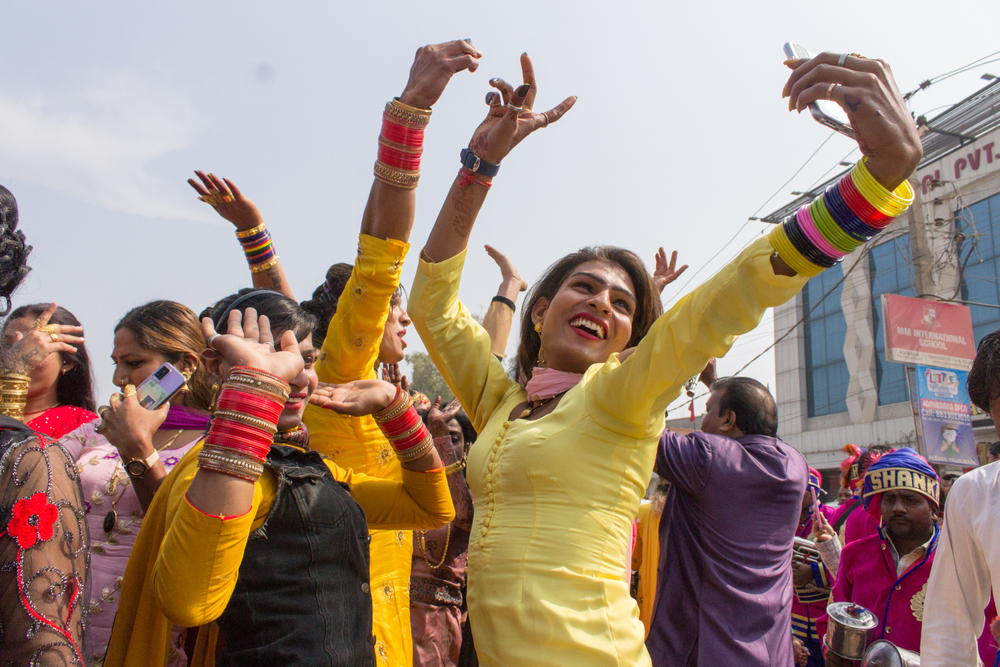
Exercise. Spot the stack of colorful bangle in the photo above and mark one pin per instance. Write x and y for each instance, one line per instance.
(401, 425)
(13, 394)
(401, 144)
(258, 247)
(834, 225)
(244, 423)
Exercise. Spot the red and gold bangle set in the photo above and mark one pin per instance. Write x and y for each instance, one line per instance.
(401, 144)
(401, 425)
(244, 423)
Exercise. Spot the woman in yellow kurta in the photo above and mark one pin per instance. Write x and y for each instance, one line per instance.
(184, 565)
(557, 476)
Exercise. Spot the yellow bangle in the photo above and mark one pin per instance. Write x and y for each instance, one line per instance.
(250, 232)
(260, 268)
(892, 204)
(787, 251)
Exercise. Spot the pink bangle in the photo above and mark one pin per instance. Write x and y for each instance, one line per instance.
(809, 229)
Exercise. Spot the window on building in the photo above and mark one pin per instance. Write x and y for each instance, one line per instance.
(825, 333)
(982, 270)
(891, 272)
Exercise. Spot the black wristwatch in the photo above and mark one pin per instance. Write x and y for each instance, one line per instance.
(471, 162)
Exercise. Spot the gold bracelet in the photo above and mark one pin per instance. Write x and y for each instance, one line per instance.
(404, 113)
(226, 467)
(414, 453)
(240, 382)
(260, 268)
(403, 106)
(457, 466)
(397, 177)
(248, 372)
(400, 403)
(250, 232)
(249, 420)
(233, 457)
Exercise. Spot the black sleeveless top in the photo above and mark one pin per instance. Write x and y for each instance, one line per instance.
(303, 595)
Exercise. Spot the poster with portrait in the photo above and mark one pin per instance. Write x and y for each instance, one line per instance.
(946, 416)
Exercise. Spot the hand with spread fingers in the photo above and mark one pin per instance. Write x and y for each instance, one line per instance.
(438, 418)
(867, 91)
(432, 69)
(227, 200)
(512, 117)
(248, 342)
(666, 272)
(24, 351)
(357, 398)
(392, 375)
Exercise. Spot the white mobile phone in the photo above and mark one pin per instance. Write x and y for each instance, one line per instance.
(825, 112)
(159, 387)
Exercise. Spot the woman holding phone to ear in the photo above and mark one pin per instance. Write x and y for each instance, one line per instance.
(562, 460)
(153, 441)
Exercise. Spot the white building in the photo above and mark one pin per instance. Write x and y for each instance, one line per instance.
(833, 383)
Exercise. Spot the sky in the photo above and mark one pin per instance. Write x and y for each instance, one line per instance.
(679, 134)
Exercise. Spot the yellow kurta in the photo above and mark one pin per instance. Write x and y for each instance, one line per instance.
(646, 560)
(184, 564)
(350, 352)
(555, 497)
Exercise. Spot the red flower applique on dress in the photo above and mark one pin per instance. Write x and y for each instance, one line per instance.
(32, 520)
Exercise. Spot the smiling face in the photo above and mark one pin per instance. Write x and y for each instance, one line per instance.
(588, 319)
(392, 349)
(301, 388)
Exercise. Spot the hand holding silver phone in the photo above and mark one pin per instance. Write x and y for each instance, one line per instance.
(825, 112)
(159, 387)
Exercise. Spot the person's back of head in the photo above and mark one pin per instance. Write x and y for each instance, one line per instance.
(753, 409)
(14, 249)
(323, 304)
(994, 452)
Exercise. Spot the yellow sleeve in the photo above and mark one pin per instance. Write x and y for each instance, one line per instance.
(350, 349)
(422, 501)
(630, 397)
(456, 343)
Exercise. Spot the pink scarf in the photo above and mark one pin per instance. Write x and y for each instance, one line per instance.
(548, 382)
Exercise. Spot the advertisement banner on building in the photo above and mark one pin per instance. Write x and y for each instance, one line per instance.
(946, 416)
(930, 333)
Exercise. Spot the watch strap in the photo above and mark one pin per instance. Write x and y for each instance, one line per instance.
(474, 164)
(148, 462)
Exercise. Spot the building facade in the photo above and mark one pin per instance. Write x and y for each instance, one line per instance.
(834, 385)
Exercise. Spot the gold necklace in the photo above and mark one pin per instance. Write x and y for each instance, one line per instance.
(111, 518)
(423, 548)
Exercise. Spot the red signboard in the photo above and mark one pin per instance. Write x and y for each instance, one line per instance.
(929, 333)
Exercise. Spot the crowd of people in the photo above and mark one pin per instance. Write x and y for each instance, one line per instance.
(297, 502)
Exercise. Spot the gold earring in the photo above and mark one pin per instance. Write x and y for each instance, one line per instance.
(187, 378)
(538, 327)
(215, 396)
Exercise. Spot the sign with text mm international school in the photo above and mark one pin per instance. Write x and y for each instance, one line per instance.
(946, 417)
(930, 333)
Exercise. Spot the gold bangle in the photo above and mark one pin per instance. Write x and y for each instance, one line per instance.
(405, 434)
(397, 177)
(404, 113)
(247, 371)
(260, 268)
(414, 453)
(260, 379)
(457, 466)
(403, 106)
(217, 449)
(226, 467)
(250, 232)
(240, 383)
(249, 420)
(399, 404)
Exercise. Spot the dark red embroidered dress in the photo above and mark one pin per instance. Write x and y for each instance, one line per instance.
(44, 551)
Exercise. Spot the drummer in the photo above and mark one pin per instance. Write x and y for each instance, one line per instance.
(810, 581)
(887, 573)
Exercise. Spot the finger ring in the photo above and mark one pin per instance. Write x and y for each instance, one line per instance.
(858, 55)
(829, 92)
(211, 341)
(101, 410)
(517, 109)
(114, 397)
(842, 59)
(546, 117)
(211, 200)
(128, 391)
(54, 337)
(48, 328)
(227, 198)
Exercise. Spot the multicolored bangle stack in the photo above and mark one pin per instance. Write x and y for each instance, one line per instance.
(834, 225)
(401, 144)
(401, 425)
(244, 423)
(258, 247)
(13, 394)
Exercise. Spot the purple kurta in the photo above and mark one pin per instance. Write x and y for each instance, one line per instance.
(724, 592)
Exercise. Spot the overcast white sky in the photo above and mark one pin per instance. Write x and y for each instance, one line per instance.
(679, 134)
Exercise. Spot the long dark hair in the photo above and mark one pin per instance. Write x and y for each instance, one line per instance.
(76, 385)
(283, 313)
(171, 330)
(323, 304)
(14, 250)
(647, 308)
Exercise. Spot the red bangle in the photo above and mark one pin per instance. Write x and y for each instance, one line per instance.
(240, 446)
(267, 411)
(401, 134)
(401, 424)
(227, 427)
(420, 436)
(397, 159)
(861, 206)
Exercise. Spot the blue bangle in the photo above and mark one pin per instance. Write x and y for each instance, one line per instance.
(472, 162)
(845, 218)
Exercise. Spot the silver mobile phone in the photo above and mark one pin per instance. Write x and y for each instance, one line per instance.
(825, 112)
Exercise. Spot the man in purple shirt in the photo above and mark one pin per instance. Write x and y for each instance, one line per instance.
(724, 588)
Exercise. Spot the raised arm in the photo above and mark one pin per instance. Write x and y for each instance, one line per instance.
(222, 194)
(499, 319)
(508, 122)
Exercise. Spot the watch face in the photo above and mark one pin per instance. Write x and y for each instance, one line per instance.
(136, 468)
